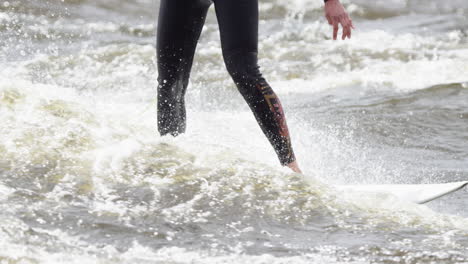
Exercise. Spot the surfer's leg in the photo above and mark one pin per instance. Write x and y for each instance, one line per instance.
(179, 25)
(238, 23)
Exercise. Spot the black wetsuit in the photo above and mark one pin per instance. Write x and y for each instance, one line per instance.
(180, 24)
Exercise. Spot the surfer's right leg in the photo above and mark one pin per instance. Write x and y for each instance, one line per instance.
(179, 26)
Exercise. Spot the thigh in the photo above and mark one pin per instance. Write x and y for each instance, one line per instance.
(238, 24)
(179, 26)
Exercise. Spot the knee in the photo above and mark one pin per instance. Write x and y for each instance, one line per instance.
(242, 66)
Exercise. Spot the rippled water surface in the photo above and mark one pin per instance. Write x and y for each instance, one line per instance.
(86, 178)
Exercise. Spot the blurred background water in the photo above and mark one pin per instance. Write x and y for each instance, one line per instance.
(86, 178)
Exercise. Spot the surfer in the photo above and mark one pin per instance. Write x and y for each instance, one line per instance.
(179, 26)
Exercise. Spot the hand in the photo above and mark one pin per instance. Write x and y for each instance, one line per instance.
(336, 14)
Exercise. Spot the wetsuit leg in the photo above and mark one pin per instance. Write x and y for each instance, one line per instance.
(179, 26)
(238, 23)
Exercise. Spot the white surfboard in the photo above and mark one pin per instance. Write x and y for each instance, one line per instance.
(417, 193)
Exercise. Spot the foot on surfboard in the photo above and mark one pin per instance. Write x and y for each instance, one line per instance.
(294, 167)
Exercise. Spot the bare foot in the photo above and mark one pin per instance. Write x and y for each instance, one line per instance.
(294, 167)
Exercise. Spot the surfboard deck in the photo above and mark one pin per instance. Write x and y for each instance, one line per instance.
(417, 193)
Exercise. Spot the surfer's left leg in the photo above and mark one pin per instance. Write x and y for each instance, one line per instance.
(238, 24)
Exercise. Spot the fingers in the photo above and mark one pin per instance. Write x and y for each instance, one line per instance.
(335, 30)
(329, 19)
(349, 26)
(346, 24)
(349, 22)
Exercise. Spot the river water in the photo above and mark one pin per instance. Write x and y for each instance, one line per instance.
(86, 178)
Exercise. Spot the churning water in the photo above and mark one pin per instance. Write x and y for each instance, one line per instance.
(85, 177)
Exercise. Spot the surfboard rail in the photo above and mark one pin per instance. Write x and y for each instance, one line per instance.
(417, 193)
